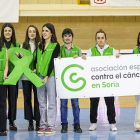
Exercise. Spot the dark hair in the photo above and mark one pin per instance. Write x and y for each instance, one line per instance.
(67, 31)
(0, 44)
(138, 42)
(100, 31)
(53, 38)
(27, 39)
(13, 38)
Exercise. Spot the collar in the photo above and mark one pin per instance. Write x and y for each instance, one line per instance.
(70, 47)
(105, 47)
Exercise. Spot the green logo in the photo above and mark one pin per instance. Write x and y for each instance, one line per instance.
(73, 81)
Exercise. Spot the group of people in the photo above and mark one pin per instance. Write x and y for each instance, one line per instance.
(44, 50)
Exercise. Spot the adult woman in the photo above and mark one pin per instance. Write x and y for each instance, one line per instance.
(3, 76)
(48, 50)
(102, 49)
(8, 40)
(32, 39)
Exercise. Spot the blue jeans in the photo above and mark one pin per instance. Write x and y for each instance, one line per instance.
(64, 110)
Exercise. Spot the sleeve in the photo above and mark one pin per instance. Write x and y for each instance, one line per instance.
(133, 52)
(89, 53)
(21, 45)
(114, 52)
(54, 55)
(80, 52)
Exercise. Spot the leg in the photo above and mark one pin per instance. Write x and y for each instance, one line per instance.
(137, 115)
(3, 116)
(42, 99)
(76, 110)
(64, 111)
(27, 91)
(93, 109)
(36, 105)
(12, 102)
(110, 109)
(52, 104)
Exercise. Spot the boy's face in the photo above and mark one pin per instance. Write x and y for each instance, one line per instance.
(67, 38)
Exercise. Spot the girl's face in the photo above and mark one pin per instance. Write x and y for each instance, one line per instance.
(7, 33)
(31, 33)
(100, 39)
(46, 33)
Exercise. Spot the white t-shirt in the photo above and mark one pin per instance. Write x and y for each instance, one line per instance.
(32, 45)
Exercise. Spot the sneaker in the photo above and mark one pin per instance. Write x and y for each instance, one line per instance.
(12, 126)
(41, 131)
(137, 129)
(4, 133)
(77, 128)
(31, 126)
(64, 128)
(37, 125)
(113, 127)
(93, 127)
(49, 131)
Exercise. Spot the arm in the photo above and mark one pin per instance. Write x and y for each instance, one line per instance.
(6, 67)
(54, 55)
(51, 67)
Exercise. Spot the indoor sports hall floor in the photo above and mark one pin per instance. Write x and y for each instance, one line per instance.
(124, 118)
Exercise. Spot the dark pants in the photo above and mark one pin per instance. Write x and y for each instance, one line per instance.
(27, 92)
(110, 109)
(3, 116)
(12, 102)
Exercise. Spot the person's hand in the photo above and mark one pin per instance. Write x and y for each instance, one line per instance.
(84, 57)
(17, 54)
(118, 55)
(45, 80)
(75, 56)
(34, 71)
(5, 77)
(59, 57)
(21, 54)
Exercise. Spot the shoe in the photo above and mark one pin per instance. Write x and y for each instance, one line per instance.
(31, 126)
(93, 127)
(37, 125)
(77, 128)
(12, 126)
(113, 127)
(137, 129)
(49, 131)
(64, 128)
(41, 131)
(4, 133)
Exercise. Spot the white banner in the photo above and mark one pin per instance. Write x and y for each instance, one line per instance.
(98, 76)
(9, 11)
(115, 2)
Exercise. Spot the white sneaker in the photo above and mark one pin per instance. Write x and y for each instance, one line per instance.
(93, 127)
(113, 127)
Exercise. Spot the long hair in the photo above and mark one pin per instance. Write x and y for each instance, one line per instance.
(13, 38)
(100, 31)
(53, 38)
(27, 39)
(138, 42)
(0, 44)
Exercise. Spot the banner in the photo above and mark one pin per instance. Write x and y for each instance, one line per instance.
(97, 76)
(9, 11)
(115, 2)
